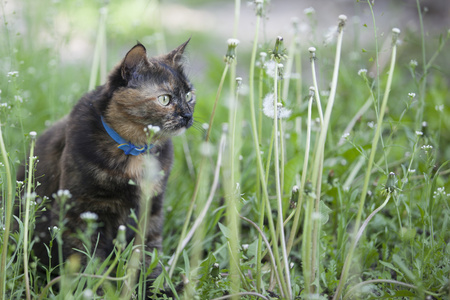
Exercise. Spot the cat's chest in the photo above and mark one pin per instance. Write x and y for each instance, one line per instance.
(135, 167)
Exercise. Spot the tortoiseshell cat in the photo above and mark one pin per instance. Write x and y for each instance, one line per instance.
(95, 150)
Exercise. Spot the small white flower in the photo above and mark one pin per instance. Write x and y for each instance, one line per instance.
(122, 228)
(205, 126)
(152, 128)
(13, 74)
(439, 107)
(18, 98)
(413, 63)
(309, 11)
(362, 72)
(426, 147)
(371, 124)
(89, 216)
(412, 95)
(419, 132)
(345, 135)
(64, 193)
(33, 134)
(411, 170)
(291, 265)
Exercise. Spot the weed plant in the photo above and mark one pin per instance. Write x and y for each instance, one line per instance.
(317, 170)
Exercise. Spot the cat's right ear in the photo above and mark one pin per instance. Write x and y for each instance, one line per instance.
(135, 58)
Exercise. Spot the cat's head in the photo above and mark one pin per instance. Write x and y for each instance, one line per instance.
(150, 91)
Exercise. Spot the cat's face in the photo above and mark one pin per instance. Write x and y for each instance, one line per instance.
(153, 92)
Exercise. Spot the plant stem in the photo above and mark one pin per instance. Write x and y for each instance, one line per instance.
(346, 267)
(177, 254)
(303, 178)
(99, 61)
(265, 195)
(27, 216)
(318, 163)
(278, 184)
(8, 214)
(423, 80)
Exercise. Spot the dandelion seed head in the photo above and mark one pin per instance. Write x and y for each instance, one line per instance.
(312, 49)
(233, 42)
(342, 17)
(268, 108)
(270, 68)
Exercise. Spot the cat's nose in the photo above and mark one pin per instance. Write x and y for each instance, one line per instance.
(187, 116)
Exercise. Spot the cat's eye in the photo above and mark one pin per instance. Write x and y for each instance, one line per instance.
(164, 100)
(188, 96)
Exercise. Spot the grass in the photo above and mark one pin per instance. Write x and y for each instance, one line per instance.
(344, 197)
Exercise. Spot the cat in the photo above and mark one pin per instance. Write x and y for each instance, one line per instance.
(98, 151)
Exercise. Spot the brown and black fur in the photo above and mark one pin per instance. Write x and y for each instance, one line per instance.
(78, 155)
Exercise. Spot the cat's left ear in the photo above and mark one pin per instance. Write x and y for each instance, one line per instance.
(176, 54)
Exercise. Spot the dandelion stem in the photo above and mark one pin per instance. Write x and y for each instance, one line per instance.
(349, 257)
(303, 178)
(278, 184)
(258, 155)
(318, 162)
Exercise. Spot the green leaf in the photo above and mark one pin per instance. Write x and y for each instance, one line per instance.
(226, 232)
(390, 266)
(324, 212)
(291, 169)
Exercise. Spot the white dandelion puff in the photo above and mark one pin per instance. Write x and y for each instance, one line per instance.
(268, 108)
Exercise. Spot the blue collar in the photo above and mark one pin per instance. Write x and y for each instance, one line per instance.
(124, 145)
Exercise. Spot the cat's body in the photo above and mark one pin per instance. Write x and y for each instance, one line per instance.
(78, 154)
